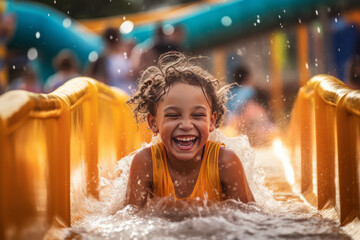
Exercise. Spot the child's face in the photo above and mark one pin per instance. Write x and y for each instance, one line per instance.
(183, 120)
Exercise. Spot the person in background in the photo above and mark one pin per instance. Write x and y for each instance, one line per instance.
(28, 81)
(247, 110)
(242, 91)
(66, 66)
(113, 65)
(165, 39)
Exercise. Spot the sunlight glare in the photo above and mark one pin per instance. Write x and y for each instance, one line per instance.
(282, 153)
(126, 27)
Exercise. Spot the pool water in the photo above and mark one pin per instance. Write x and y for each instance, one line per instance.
(168, 219)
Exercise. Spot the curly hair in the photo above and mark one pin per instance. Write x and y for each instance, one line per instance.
(173, 67)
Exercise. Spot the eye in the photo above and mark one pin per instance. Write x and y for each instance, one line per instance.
(199, 115)
(171, 115)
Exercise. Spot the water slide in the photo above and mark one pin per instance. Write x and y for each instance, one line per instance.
(59, 151)
(56, 148)
(206, 25)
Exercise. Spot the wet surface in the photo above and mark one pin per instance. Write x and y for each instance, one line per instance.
(168, 219)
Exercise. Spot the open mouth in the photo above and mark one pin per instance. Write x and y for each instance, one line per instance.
(185, 143)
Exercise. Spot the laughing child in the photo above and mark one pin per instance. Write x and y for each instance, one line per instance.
(183, 103)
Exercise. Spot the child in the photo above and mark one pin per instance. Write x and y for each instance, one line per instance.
(183, 103)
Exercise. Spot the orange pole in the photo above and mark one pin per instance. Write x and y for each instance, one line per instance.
(306, 128)
(327, 96)
(91, 141)
(219, 63)
(277, 55)
(348, 129)
(59, 162)
(303, 57)
(2, 182)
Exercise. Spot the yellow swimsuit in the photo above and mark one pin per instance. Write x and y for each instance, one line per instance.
(207, 183)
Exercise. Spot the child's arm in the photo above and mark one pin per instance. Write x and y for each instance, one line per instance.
(232, 176)
(140, 178)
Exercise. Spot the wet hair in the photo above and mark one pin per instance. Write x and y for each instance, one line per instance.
(173, 67)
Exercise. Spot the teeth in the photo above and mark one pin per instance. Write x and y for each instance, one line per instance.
(186, 139)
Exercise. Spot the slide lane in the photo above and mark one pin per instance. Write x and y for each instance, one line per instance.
(55, 147)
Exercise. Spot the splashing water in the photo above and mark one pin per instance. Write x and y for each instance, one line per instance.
(170, 219)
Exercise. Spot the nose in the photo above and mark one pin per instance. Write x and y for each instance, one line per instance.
(186, 124)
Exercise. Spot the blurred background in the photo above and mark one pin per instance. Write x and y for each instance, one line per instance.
(271, 48)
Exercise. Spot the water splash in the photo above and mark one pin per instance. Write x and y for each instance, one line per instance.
(167, 218)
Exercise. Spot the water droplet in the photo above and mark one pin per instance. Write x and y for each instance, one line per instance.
(93, 56)
(226, 21)
(255, 24)
(299, 20)
(338, 49)
(318, 29)
(13, 67)
(168, 29)
(307, 65)
(126, 27)
(258, 21)
(317, 12)
(328, 9)
(37, 35)
(284, 11)
(124, 18)
(336, 20)
(48, 14)
(139, 182)
(54, 1)
(279, 16)
(119, 71)
(32, 54)
(67, 22)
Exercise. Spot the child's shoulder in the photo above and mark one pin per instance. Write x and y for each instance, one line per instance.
(227, 158)
(142, 158)
(143, 152)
